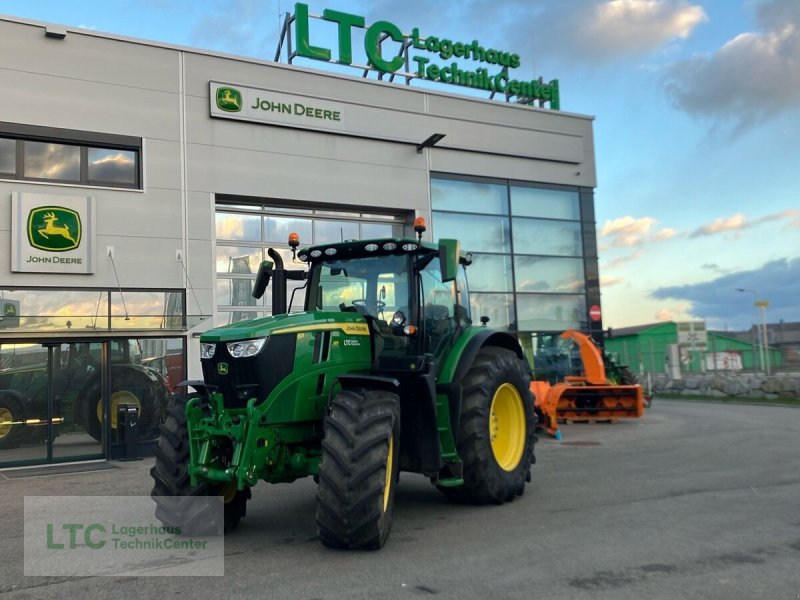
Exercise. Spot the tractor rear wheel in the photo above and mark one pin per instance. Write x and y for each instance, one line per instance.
(171, 479)
(358, 472)
(12, 432)
(496, 429)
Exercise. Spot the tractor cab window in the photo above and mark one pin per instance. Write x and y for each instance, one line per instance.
(375, 286)
(438, 307)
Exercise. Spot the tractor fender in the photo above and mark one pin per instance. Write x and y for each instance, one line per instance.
(467, 347)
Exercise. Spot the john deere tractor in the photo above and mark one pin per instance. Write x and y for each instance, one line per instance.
(382, 372)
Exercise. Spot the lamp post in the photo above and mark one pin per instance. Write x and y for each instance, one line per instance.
(761, 327)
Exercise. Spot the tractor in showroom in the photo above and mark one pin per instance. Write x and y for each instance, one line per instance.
(382, 372)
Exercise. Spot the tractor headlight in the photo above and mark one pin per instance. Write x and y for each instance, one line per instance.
(207, 350)
(245, 348)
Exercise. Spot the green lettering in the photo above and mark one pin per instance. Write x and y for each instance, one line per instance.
(446, 49)
(491, 56)
(432, 44)
(514, 62)
(513, 87)
(317, 113)
(304, 47)
(432, 73)
(446, 74)
(458, 49)
(87, 536)
(345, 21)
(299, 109)
(555, 96)
(545, 92)
(421, 62)
(337, 116)
(51, 545)
(372, 46)
(415, 42)
(499, 84)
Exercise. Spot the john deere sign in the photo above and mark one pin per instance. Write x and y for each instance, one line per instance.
(276, 108)
(52, 234)
(434, 58)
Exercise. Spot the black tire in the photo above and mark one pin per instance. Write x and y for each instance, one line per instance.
(626, 377)
(171, 482)
(495, 472)
(358, 472)
(129, 385)
(11, 411)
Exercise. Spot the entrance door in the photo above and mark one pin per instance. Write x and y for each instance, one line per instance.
(49, 395)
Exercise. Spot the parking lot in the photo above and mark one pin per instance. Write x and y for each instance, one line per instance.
(695, 500)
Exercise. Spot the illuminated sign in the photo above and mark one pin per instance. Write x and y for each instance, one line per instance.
(491, 74)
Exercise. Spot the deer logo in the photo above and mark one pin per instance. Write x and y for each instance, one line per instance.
(229, 99)
(54, 228)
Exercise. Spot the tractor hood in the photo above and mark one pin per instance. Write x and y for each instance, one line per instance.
(349, 323)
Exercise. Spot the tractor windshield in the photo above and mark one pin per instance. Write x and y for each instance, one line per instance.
(377, 286)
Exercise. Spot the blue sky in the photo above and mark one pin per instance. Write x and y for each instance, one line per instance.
(697, 130)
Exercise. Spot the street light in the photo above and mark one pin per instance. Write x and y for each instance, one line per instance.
(762, 309)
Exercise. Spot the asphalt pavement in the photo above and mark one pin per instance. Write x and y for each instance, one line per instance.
(695, 500)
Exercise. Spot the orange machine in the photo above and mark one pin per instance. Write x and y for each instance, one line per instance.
(588, 396)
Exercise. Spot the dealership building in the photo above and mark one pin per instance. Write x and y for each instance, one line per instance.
(143, 184)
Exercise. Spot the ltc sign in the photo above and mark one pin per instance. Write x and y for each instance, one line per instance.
(491, 74)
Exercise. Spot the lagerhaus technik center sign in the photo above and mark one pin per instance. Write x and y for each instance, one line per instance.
(434, 58)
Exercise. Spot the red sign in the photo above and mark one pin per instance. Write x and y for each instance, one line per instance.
(594, 312)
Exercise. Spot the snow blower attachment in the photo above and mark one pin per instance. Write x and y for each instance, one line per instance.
(588, 396)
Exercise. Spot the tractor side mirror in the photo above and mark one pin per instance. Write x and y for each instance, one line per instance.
(262, 278)
(449, 251)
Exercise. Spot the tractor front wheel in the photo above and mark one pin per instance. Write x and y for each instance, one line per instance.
(171, 479)
(358, 472)
(496, 429)
(12, 431)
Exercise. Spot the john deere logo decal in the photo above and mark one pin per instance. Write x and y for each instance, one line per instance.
(54, 228)
(222, 368)
(229, 99)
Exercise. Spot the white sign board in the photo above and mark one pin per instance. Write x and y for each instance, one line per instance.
(52, 233)
(692, 334)
(242, 103)
(724, 361)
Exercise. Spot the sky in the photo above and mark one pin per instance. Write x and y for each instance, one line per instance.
(697, 125)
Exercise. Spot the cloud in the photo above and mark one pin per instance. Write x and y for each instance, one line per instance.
(244, 27)
(628, 232)
(717, 300)
(580, 31)
(738, 222)
(751, 78)
(664, 315)
(607, 281)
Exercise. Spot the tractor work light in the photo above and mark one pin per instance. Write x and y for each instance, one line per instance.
(371, 247)
(245, 348)
(303, 256)
(389, 246)
(410, 247)
(316, 253)
(207, 350)
(330, 251)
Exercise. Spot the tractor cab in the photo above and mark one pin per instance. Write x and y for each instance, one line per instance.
(414, 304)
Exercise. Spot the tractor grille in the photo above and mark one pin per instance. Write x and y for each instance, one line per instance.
(253, 376)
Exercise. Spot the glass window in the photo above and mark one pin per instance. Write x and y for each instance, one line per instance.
(329, 232)
(377, 230)
(113, 166)
(490, 273)
(141, 310)
(477, 233)
(498, 307)
(468, 196)
(550, 312)
(231, 226)
(8, 156)
(279, 228)
(559, 238)
(556, 275)
(44, 160)
(549, 204)
(238, 259)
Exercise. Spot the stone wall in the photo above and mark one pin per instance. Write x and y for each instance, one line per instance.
(725, 385)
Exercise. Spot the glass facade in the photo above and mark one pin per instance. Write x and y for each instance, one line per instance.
(533, 246)
(244, 233)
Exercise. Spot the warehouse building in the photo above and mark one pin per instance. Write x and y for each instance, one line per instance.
(143, 184)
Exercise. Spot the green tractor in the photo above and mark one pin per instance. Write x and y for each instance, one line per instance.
(382, 372)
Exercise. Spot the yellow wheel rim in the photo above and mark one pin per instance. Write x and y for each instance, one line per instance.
(6, 418)
(387, 485)
(228, 492)
(507, 427)
(117, 398)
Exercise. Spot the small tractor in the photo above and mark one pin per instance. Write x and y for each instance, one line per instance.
(382, 372)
